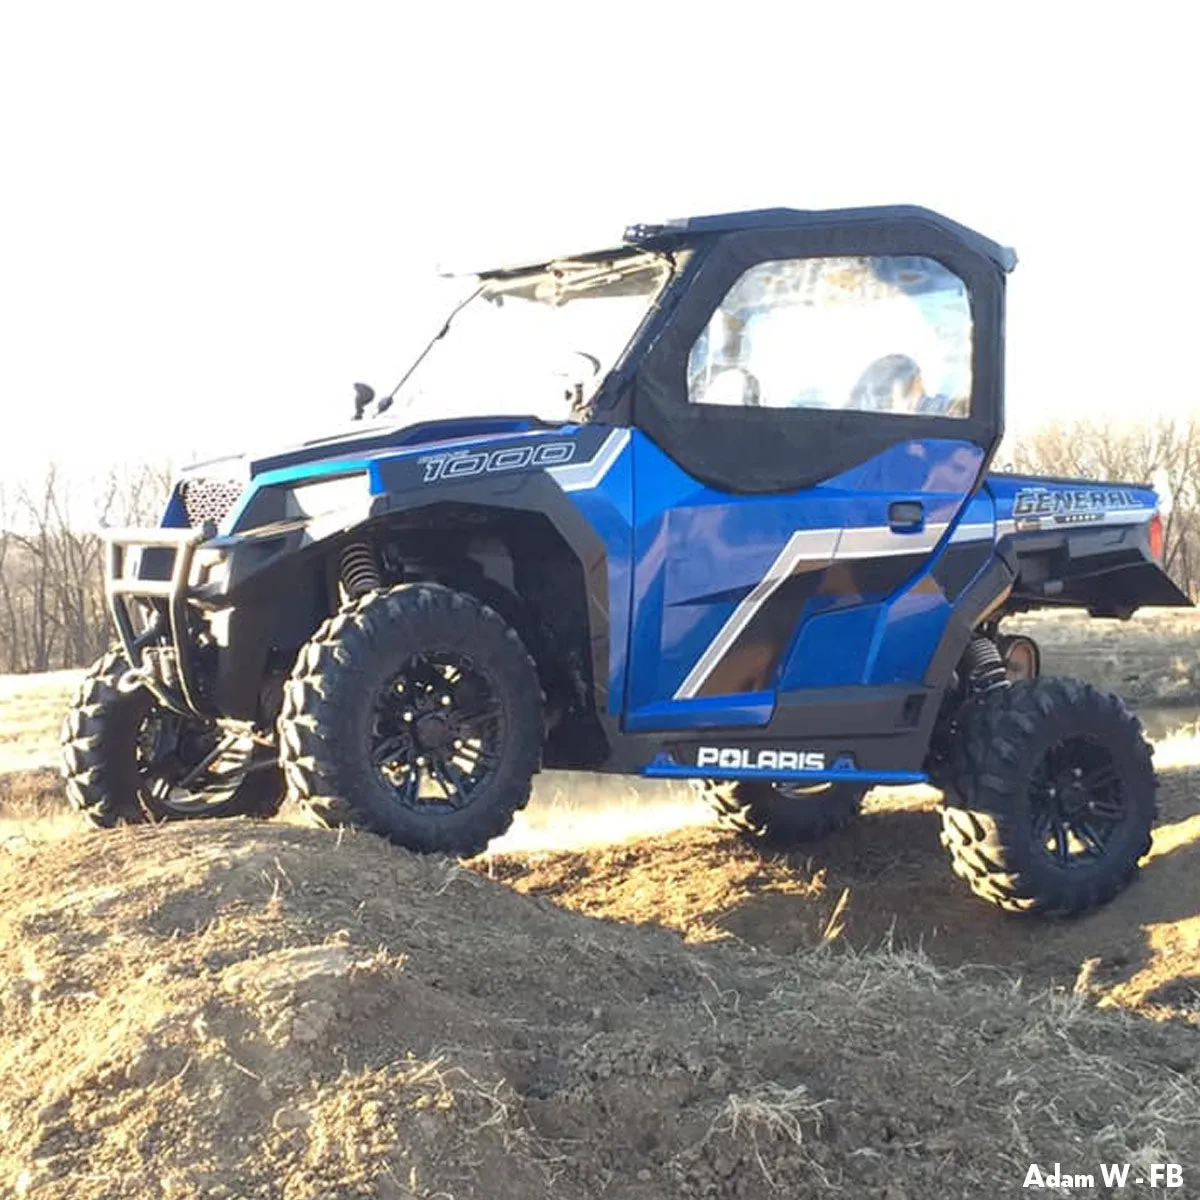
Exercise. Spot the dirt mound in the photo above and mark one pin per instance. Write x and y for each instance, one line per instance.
(236, 1010)
(885, 882)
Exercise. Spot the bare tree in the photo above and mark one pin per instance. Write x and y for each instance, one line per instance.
(52, 606)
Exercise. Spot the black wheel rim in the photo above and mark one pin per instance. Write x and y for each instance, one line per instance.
(186, 769)
(1077, 802)
(436, 732)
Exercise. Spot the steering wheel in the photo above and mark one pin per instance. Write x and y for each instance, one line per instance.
(571, 371)
(591, 360)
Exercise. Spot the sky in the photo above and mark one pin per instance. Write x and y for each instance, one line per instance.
(215, 218)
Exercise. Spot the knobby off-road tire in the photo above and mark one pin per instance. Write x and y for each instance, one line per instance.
(1054, 797)
(108, 774)
(780, 815)
(409, 691)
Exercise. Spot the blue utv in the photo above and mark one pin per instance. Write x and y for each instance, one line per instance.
(711, 503)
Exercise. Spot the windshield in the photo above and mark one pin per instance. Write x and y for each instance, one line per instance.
(536, 344)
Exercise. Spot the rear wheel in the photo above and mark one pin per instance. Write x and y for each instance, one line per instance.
(781, 814)
(1055, 797)
(127, 760)
(416, 713)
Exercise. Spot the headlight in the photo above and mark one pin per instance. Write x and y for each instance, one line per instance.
(278, 503)
(323, 496)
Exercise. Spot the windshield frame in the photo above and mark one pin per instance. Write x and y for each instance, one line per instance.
(567, 278)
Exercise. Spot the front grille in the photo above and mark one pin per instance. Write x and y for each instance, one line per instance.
(208, 499)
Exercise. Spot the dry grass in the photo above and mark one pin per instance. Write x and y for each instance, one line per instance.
(31, 712)
(776, 1114)
(1151, 659)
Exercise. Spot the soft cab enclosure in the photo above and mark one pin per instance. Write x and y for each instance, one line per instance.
(756, 449)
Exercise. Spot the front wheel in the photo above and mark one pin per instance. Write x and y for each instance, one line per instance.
(1056, 797)
(416, 713)
(126, 760)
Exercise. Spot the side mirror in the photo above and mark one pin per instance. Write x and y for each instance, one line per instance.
(363, 395)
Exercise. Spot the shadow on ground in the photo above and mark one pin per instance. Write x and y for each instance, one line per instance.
(887, 881)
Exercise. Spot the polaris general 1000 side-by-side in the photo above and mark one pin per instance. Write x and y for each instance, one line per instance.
(712, 503)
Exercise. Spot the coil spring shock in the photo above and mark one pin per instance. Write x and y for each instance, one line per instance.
(984, 667)
(358, 570)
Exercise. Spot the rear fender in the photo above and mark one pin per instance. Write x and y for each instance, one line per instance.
(1110, 570)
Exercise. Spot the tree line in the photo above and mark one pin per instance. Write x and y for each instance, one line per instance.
(52, 607)
(53, 612)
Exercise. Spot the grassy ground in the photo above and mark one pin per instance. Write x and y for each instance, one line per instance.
(1151, 659)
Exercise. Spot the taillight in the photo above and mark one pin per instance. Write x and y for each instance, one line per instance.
(1156, 536)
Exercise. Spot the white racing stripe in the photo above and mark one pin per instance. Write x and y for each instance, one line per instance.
(979, 531)
(815, 545)
(821, 547)
(578, 477)
(1049, 525)
(881, 541)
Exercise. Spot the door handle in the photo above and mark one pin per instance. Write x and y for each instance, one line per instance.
(906, 516)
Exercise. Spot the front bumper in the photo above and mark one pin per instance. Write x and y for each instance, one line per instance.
(168, 597)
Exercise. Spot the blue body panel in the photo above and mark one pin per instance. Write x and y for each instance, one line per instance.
(387, 447)
(684, 559)
(831, 646)
(858, 601)
(700, 554)
(911, 625)
(1067, 501)
(175, 517)
(747, 709)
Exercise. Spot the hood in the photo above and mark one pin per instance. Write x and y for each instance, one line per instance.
(366, 439)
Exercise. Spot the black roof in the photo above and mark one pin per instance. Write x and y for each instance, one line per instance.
(685, 230)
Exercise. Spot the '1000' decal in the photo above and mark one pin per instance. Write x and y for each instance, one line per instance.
(465, 464)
